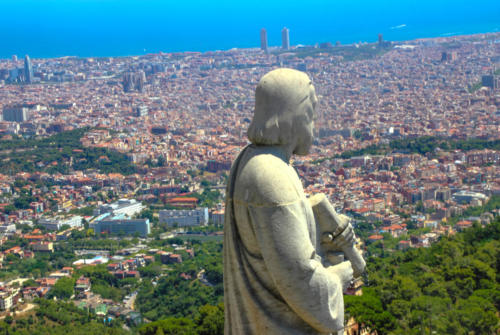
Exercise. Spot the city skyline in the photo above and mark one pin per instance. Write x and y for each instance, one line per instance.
(101, 28)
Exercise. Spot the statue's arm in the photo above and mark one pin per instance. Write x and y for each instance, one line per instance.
(313, 291)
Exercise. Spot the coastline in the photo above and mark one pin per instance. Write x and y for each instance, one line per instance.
(33, 55)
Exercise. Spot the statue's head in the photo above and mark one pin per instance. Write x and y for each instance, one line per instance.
(285, 104)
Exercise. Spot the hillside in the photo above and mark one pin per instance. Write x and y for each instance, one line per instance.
(450, 288)
(61, 153)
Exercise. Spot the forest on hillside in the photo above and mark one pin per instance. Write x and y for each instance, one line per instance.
(450, 288)
(60, 153)
(422, 145)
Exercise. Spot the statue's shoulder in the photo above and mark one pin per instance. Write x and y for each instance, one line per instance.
(266, 179)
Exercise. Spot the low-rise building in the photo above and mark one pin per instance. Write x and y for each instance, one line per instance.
(42, 246)
(82, 284)
(128, 207)
(6, 300)
(464, 224)
(125, 226)
(7, 228)
(168, 258)
(57, 223)
(467, 197)
(184, 217)
(217, 217)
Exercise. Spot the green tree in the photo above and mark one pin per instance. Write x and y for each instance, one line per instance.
(211, 320)
(169, 326)
(63, 288)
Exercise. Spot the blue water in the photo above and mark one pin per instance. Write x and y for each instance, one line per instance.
(51, 28)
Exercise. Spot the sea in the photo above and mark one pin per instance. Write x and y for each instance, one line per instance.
(95, 28)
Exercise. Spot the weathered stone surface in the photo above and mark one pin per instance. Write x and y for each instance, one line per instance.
(275, 281)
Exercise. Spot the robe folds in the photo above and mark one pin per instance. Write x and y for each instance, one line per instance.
(274, 279)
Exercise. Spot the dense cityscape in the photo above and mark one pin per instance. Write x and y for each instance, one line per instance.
(113, 171)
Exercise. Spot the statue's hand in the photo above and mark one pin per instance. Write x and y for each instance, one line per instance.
(344, 242)
(344, 272)
(345, 239)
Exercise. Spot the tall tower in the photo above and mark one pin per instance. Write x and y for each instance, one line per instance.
(28, 69)
(285, 39)
(263, 39)
(380, 40)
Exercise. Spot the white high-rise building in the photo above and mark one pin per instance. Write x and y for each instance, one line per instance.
(285, 38)
(263, 39)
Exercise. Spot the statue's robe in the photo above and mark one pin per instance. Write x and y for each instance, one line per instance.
(274, 280)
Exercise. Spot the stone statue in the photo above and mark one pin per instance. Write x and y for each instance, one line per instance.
(277, 279)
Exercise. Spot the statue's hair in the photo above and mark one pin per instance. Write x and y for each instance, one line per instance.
(277, 98)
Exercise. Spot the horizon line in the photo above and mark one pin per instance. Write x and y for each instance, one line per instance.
(445, 35)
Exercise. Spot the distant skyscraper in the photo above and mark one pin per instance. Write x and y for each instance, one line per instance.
(28, 70)
(134, 81)
(448, 56)
(14, 58)
(490, 81)
(13, 75)
(285, 39)
(15, 114)
(140, 81)
(444, 56)
(263, 39)
(380, 40)
(128, 82)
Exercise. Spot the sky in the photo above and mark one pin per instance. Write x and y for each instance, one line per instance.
(47, 28)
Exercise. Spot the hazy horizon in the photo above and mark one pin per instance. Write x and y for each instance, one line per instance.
(90, 28)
